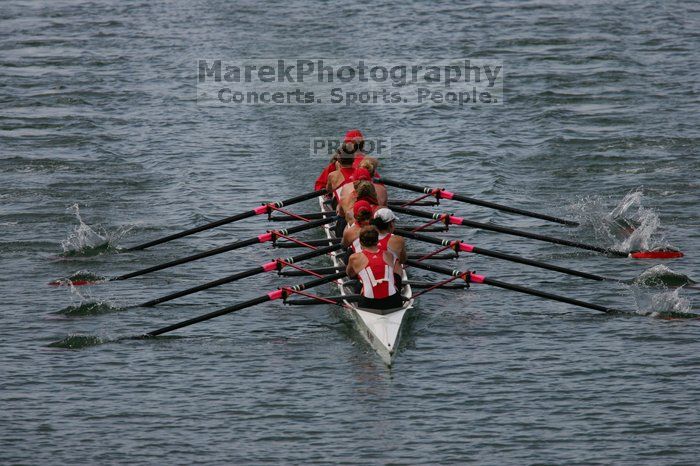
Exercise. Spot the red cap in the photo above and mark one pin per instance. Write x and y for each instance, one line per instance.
(354, 135)
(361, 174)
(360, 206)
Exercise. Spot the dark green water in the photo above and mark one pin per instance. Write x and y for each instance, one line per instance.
(98, 108)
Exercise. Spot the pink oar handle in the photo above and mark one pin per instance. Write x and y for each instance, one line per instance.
(445, 194)
(466, 247)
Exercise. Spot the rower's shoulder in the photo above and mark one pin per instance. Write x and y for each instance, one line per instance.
(355, 258)
(397, 239)
(347, 234)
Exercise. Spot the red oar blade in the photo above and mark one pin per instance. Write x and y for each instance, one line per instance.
(657, 254)
(70, 283)
(79, 279)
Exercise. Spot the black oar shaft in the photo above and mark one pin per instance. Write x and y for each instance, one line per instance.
(191, 231)
(553, 297)
(307, 216)
(303, 273)
(240, 275)
(224, 221)
(309, 242)
(518, 288)
(503, 256)
(205, 286)
(194, 257)
(244, 305)
(470, 200)
(211, 315)
(222, 249)
(512, 231)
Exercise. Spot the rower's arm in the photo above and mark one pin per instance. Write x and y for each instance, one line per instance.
(382, 197)
(330, 182)
(398, 268)
(398, 244)
(345, 208)
(345, 242)
(340, 210)
(350, 269)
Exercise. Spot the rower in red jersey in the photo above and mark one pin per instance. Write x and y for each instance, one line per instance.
(354, 137)
(366, 171)
(379, 273)
(362, 213)
(383, 221)
(344, 174)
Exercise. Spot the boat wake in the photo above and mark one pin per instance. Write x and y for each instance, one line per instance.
(87, 241)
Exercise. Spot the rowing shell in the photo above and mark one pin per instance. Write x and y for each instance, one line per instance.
(380, 328)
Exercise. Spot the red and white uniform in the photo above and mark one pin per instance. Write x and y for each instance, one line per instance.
(377, 277)
(382, 245)
(347, 178)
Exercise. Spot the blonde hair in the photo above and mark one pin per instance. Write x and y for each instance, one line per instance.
(370, 163)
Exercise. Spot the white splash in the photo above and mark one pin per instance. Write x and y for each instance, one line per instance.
(630, 211)
(87, 240)
(82, 237)
(669, 301)
(664, 302)
(630, 200)
(629, 226)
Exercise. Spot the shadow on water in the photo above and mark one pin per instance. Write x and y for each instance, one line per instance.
(92, 308)
(75, 342)
(78, 341)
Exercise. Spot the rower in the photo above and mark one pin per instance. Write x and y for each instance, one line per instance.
(367, 171)
(344, 173)
(383, 221)
(357, 140)
(362, 213)
(363, 190)
(379, 273)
